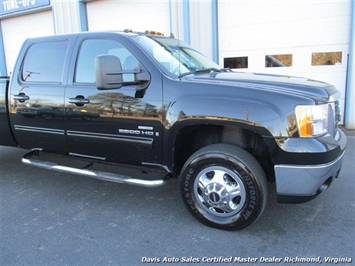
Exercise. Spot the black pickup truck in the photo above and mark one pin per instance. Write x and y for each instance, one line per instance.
(155, 105)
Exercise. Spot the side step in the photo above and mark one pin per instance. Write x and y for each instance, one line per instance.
(106, 176)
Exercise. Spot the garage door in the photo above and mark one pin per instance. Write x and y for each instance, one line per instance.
(120, 15)
(17, 29)
(299, 38)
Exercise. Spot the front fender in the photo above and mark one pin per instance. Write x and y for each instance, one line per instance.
(269, 113)
(261, 115)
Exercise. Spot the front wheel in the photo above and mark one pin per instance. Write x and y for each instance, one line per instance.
(223, 186)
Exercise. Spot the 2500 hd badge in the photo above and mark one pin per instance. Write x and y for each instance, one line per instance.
(147, 132)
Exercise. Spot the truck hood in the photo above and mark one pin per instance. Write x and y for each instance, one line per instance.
(287, 84)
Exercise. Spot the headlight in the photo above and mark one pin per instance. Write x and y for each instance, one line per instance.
(312, 120)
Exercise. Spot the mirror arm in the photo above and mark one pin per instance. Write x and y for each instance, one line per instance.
(134, 71)
(142, 78)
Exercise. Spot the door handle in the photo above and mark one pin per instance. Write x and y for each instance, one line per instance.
(79, 100)
(21, 97)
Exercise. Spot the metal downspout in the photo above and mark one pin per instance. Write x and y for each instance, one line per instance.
(350, 90)
(215, 47)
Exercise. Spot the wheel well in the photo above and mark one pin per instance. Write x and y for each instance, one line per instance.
(192, 138)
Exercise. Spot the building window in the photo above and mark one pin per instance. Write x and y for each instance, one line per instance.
(327, 59)
(236, 62)
(281, 60)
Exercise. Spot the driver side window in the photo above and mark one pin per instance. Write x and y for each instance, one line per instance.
(85, 65)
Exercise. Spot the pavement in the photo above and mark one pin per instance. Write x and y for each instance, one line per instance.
(49, 218)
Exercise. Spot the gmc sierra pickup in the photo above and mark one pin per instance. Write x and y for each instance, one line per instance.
(155, 104)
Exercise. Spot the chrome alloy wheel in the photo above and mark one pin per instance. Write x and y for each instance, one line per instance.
(220, 191)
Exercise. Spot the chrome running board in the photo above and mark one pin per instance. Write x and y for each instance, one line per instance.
(106, 176)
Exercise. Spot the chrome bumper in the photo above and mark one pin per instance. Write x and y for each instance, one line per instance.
(301, 183)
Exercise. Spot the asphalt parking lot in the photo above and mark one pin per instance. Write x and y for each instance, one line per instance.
(49, 218)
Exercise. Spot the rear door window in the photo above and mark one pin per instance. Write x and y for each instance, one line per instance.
(44, 62)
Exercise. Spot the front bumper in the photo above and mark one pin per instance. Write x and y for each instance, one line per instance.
(301, 183)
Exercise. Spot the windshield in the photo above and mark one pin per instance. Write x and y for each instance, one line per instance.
(174, 56)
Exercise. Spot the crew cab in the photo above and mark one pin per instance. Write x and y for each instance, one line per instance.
(156, 106)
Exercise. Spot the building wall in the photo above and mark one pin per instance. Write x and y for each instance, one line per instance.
(125, 14)
(306, 31)
(201, 26)
(66, 16)
(220, 29)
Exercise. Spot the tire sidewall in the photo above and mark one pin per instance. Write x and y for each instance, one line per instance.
(253, 205)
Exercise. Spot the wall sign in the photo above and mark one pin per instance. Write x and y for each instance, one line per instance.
(12, 6)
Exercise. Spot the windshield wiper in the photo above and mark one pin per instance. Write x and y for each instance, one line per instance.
(204, 70)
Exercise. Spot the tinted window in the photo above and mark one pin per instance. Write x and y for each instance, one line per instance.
(44, 62)
(85, 68)
(236, 62)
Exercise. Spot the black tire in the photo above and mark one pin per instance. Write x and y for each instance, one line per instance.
(223, 186)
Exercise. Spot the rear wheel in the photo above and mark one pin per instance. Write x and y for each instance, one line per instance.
(223, 186)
